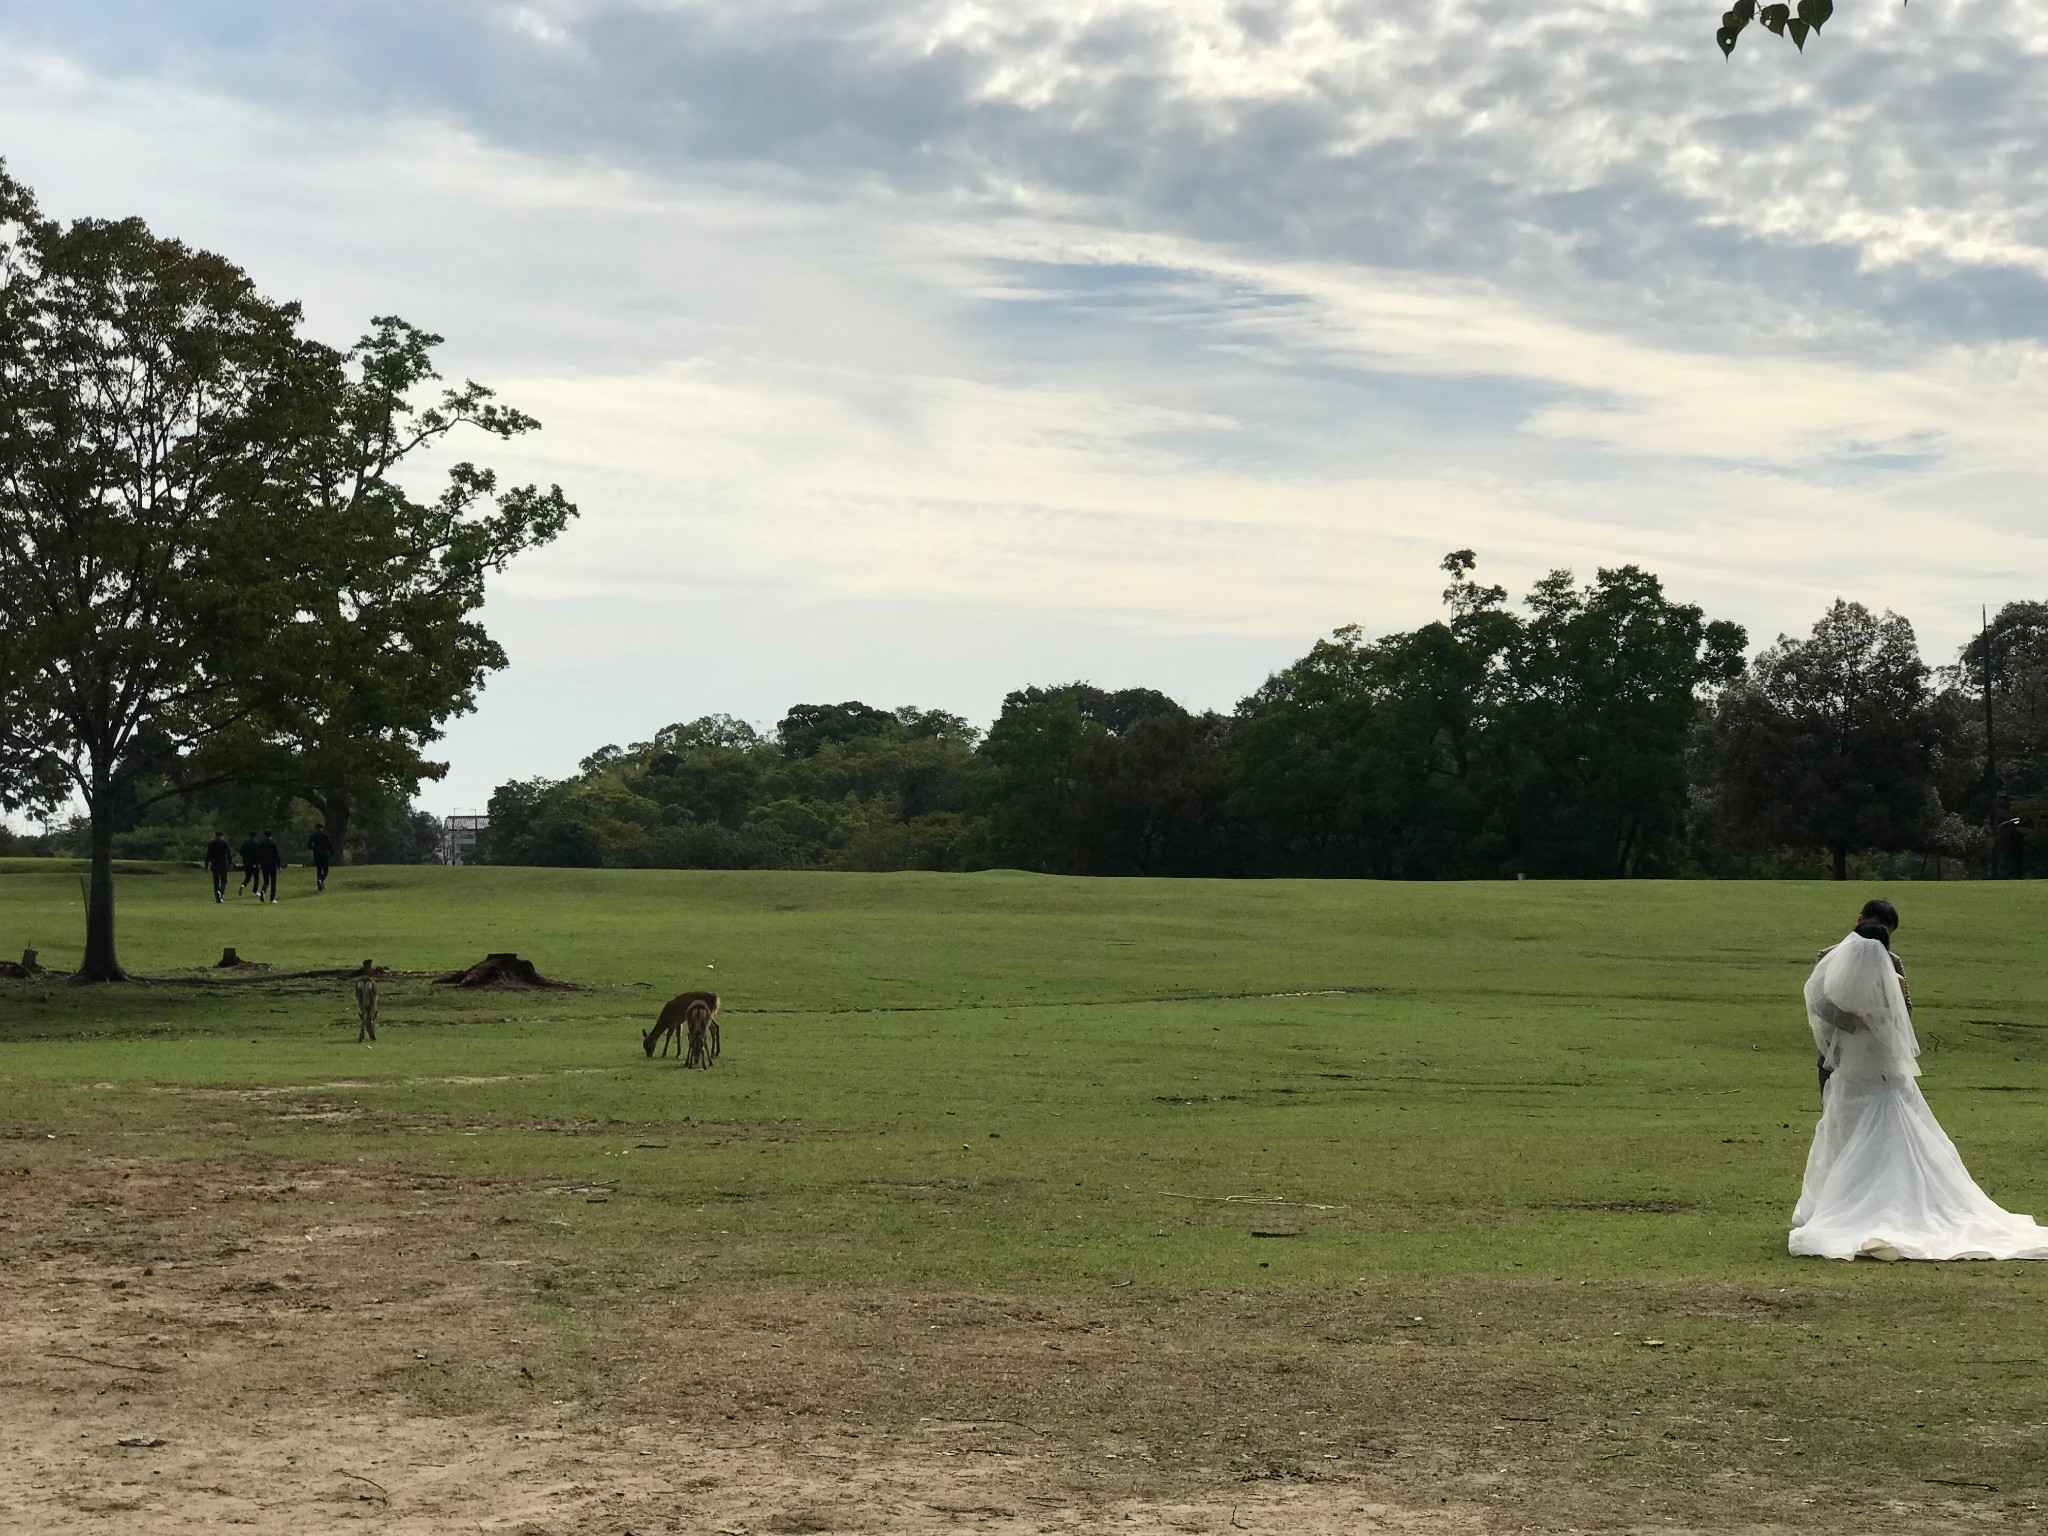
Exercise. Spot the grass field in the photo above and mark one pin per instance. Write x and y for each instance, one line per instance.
(1468, 1198)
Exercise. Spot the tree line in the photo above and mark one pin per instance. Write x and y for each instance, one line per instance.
(223, 568)
(1593, 730)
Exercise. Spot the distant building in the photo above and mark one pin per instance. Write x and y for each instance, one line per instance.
(458, 837)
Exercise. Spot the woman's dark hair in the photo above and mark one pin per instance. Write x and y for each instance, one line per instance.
(1871, 929)
(1882, 911)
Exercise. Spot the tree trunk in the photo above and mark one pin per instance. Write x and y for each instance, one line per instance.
(1841, 852)
(335, 814)
(100, 963)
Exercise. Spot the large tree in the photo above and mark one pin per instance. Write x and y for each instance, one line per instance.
(1080, 780)
(170, 533)
(1602, 686)
(1998, 771)
(1367, 757)
(1830, 742)
(141, 384)
(387, 646)
(1489, 743)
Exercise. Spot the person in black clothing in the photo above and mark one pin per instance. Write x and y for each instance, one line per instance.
(220, 858)
(323, 852)
(270, 859)
(252, 865)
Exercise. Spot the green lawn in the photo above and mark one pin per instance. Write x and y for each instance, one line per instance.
(1527, 1125)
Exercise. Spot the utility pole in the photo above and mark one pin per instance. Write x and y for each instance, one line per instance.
(1990, 745)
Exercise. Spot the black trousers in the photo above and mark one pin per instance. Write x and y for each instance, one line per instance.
(220, 882)
(267, 886)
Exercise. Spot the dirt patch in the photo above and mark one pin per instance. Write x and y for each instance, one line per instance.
(308, 1347)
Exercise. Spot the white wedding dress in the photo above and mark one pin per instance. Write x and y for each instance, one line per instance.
(1883, 1179)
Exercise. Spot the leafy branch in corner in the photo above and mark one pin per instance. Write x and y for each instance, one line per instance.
(1797, 22)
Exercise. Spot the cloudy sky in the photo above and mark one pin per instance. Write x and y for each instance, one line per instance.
(916, 350)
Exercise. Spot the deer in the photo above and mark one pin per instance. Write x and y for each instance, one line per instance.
(688, 1019)
(366, 1004)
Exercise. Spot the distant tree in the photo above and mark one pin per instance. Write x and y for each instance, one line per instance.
(714, 793)
(1367, 757)
(2004, 790)
(146, 396)
(1488, 743)
(1026, 782)
(1830, 742)
(807, 727)
(1076, 779)
(1602, 688)
(1152, 799)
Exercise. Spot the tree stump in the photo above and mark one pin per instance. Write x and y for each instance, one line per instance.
(228, 960)
(504, 972)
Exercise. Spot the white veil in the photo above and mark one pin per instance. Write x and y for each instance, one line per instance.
(1854, 992)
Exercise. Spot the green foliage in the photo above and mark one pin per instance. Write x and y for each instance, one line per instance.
(715, 794)
(2004, 802)
(1596, 729)
(385, 646)
(1833, 742)
(1489, 743)
(210, 569)
(1794, 22)
(147, 399)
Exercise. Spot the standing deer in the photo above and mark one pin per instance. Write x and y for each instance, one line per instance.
(366, 1004)
(691, 1017)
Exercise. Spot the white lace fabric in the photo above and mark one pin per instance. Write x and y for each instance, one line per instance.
(1883, 1178)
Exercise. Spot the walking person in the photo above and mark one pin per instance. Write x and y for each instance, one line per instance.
(1883, 1180)
(323, 852)
(269, 859)
(252, 865)
(220, 859)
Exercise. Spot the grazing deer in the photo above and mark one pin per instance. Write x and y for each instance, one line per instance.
(675, 1016)
(702, 1025)
(366, 1004)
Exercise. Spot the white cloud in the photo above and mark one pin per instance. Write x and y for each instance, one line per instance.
(1183, 330)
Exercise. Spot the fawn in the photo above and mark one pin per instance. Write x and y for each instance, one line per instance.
(694, 1012)
(366, 1005)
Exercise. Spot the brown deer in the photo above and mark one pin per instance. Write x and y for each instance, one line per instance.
(675, 1017)
(366, 1005)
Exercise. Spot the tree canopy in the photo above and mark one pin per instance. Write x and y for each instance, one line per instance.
(1831, 741)
(385, 646)
(206, 560)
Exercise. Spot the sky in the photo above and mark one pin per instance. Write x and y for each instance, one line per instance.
(918, 350)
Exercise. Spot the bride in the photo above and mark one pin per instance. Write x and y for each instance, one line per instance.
(1883, 1180)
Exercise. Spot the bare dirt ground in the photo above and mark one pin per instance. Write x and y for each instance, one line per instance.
(196, 1345)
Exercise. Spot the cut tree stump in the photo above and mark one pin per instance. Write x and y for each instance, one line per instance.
(28, 970)
(504, 973)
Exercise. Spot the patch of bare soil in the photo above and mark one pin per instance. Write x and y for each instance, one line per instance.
(191, 1346)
